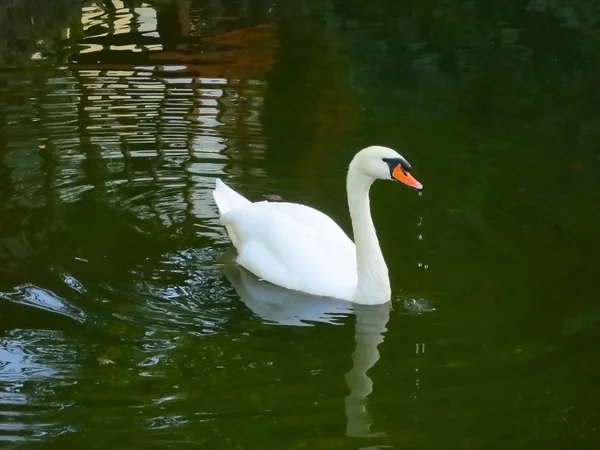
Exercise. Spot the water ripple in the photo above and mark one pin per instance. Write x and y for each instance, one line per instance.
(42, 299)
(34, 364)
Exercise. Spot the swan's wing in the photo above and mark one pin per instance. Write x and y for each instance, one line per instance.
(294, 246)
(309, 217)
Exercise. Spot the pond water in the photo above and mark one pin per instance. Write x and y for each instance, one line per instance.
(124, 323)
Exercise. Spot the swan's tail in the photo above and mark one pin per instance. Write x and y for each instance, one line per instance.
(227, 199)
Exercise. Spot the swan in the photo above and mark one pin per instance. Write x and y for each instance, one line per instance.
(301, 249)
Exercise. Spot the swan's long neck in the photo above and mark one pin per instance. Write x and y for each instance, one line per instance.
(373, 286)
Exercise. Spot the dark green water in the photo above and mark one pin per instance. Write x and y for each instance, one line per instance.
(122, 324)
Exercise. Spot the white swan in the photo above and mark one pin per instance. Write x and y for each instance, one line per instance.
(300, 248)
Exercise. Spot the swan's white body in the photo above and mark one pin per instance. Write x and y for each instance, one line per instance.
(300, 248)
(290, 245)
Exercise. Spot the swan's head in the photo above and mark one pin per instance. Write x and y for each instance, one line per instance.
(385, 164)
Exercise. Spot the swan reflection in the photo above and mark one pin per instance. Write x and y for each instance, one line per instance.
(371, 324)
(281, 306)
(284, 307)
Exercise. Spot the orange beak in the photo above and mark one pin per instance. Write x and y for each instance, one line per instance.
(404, 177)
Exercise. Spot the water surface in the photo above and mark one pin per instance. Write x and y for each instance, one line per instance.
(123, 322)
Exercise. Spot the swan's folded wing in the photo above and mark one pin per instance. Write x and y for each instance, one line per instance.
(294, 250)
